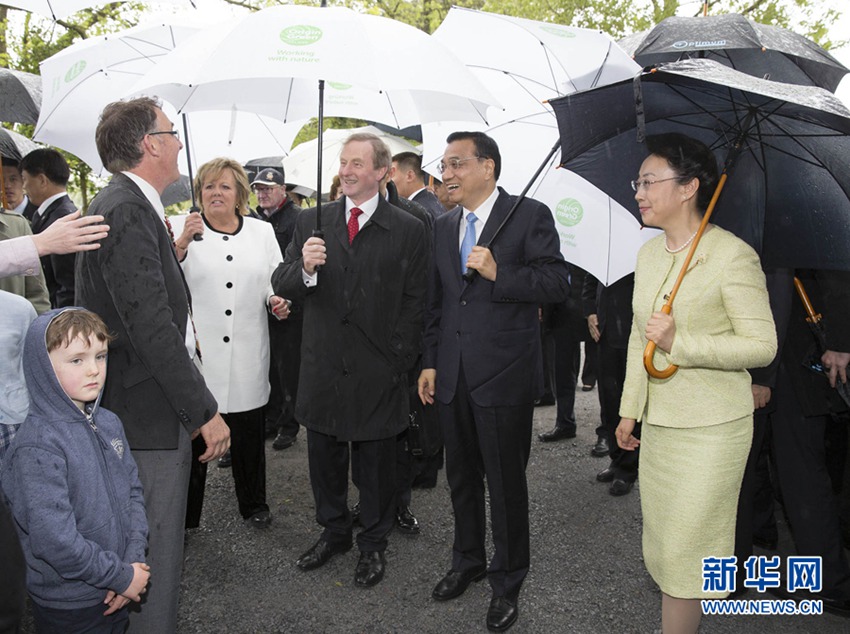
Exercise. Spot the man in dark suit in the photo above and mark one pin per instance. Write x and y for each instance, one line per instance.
(363, 288)
(609, 319)
(482, 363)
(279, 210)
(45, 174)
(135, 284)
(15, 201)
(807, 406)
(409, 179)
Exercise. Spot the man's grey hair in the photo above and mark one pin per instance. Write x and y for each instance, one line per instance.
(121, 129)
(382, 157)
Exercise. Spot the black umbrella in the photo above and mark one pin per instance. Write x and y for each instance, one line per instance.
(20, 96)
(761, 50)
(784, 150)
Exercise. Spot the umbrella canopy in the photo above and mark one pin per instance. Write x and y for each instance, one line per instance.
(788, 192)
(300, 165)
(81, 79)
(15, 146)
(762, 50)
(20, 96)
(269, 62)
(524, 63)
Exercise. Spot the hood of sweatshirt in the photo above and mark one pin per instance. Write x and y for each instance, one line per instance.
(48, 400)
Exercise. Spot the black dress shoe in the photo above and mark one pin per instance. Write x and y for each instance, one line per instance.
(225, 462)
(601, 448)
(260, 519)
(370, 568)
(283, 441)
(320, 553)
(546, 401)
(606, 475)
(456, 582)
(586, 388)
(558, 433)
(406, 521)
(620, 487)
(502, 614)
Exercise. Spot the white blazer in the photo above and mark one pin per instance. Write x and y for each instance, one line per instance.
(229, 277)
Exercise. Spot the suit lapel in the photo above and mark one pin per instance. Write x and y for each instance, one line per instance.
(500, 209)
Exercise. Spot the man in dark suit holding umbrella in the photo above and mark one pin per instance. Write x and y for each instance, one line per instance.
(363, 289)
(482, 362)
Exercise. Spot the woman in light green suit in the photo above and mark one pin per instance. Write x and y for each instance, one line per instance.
(697, 424)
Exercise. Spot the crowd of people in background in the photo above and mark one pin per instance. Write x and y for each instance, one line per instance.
(411, 326)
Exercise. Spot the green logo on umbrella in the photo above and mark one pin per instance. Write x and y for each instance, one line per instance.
(301, 35)
(569, 212)
(554, 30)
(337, 86)
(75, 71)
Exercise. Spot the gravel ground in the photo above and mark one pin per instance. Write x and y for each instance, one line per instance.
(587, 575)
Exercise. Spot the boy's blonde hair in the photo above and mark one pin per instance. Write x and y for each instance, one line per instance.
(70, 324)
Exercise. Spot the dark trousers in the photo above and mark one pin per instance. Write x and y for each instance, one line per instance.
(373, 465)
(800, 455)
(567, 360)
(611, 376)
(494, 442)
(248, 452)
(79, 621)
(285, 364)
(589, 369)
(197, 484)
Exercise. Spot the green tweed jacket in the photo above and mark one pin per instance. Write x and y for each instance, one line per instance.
(723, 326)
(33, 287)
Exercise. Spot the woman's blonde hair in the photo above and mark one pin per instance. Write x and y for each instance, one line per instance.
(212, 169)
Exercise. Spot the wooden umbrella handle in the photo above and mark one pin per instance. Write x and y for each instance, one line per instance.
(649, 351)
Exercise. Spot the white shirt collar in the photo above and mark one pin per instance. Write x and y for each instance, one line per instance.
(20, 208)
(483, 210)
(43, 206)
(149, 192)
(368, 208)
(416, 193)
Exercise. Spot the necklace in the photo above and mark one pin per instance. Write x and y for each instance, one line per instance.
(687, 242)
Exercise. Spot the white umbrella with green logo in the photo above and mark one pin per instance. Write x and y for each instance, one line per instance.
(278, 61)
(80, 80)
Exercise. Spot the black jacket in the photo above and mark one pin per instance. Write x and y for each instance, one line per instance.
(58, 269)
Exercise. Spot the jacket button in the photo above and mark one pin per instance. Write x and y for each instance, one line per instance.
(457, 334)
(229, 285)
(345, 322)
(227, 340)
(345, 373)
(225, 238)
(230, 258)
(463, 302)
(228, 312)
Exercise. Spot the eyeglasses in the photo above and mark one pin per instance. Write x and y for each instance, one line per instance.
(645, 182)
(171, 132)
(454, 164)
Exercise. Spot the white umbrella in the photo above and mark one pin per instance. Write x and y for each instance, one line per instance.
(300, 165)
(524, 63)
(60, 9)
(276, 61)
(83, 78)
(270, 61)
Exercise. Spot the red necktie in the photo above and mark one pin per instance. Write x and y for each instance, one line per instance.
(353, 223)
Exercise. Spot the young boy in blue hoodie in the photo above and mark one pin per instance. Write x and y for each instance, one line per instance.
(72, 485)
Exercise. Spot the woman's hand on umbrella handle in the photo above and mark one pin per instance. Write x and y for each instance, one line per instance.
(661, 331)
(194, 225)
(624, 434)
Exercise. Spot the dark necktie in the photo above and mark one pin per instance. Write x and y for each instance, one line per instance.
(353, 223)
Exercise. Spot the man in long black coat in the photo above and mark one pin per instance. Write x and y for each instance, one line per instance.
(482, 363)
(363, 289)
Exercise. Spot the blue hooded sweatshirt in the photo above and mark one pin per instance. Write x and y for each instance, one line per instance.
(73, 489)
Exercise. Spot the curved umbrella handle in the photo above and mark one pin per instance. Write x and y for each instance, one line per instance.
(649, 354)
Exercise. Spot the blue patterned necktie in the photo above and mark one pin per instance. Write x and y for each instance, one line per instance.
(469, 241)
